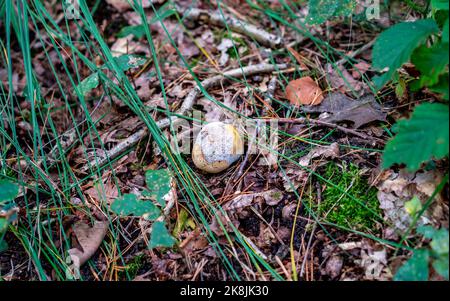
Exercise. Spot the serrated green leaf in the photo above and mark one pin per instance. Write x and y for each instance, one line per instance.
(129, 204)
(415, 268)
(395, 45)
(431, 62)
(442, 86)
(439, 4)
(89, 83)
(440, 265)
(160, 237)
(320, 11)
(159, 183)
(413, 206)
(423, 136)
(8, 191)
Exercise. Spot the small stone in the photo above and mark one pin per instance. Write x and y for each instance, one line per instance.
(218, 145)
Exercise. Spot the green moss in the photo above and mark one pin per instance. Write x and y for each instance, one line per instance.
(134, 266)
(341, 209)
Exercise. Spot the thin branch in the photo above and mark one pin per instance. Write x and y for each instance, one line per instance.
(218, 19)
(330, 125)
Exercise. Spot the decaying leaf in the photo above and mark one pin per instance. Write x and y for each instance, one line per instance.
(224, 224)
(295, 176)
(89, 239)
(304, 91)
(271, 197)
(331, 151)
(334, 266)
(161, 185)
(397, 189)
(342, 81)
(123, 5)
(343, 108)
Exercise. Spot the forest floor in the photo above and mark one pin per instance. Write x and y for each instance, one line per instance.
(313, 204)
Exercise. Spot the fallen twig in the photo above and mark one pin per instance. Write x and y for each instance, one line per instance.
(270, 94)
(185, 107)
(218, 19)
(355, 53)
(330, 125)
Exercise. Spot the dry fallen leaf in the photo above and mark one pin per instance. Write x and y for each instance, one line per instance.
(342, 81)
(343, 108)
(271, 197)
(304, 91)
(123, 5)
(293, 176)
(89, 239)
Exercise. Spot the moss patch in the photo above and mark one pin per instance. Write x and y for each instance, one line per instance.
(342, 209)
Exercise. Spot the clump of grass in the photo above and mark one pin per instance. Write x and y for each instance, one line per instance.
(342, 208)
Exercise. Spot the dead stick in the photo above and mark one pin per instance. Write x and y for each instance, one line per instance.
(218, 19)
(185, 107)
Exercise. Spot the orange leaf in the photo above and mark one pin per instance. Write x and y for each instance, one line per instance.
(304, 91)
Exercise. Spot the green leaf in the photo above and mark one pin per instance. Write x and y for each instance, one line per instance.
(439, 4)
(160, 237)
(139, 30)
(423, 136)
(431, 62)
(8, 191)
(413, 206)
(3, 225)
(159, 183)
(439, 244)
(445, 36)
(426, 231)
(136, 30)
(128, 61)
(181, 222)
(89, 83)
(125, 62)
(394, 46)
(130, 205)
(415, 268)
(440, 265)
(442, 86)
(3, 246)
(322, 10)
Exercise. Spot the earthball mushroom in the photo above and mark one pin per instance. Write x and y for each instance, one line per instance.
(217, 146)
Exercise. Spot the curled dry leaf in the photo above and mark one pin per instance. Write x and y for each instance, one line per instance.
(89, 239)
(304, 91)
